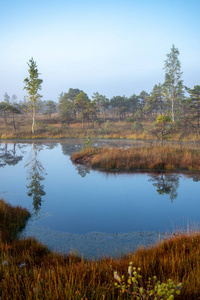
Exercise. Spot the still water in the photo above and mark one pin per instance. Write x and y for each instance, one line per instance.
(95, 213)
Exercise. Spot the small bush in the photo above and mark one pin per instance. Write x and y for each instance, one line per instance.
(137, 126)
(130, 120)
(154, 290)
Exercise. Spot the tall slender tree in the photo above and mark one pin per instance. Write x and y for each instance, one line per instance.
(32, 86)
(173, 83)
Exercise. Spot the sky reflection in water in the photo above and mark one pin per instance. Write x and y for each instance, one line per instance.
(76, 200)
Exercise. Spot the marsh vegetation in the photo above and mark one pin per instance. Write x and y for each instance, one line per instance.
(152, 156)
(28, 270)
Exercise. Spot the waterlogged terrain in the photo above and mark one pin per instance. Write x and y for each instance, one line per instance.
(94, 213)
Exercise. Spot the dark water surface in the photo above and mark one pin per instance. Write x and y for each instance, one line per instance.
(95, 213)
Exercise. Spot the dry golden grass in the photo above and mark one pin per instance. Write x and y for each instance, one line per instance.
(154, 157)
(53, 129)
(12, 220)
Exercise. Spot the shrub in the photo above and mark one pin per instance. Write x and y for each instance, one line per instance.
(155, 289)
(130, 120)
(137, 126)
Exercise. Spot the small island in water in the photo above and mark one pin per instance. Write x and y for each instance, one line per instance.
(152, 156)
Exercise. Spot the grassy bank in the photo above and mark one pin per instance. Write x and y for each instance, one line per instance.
(12, 220)
(28, 270)
(74, 131)
(145, 157)
(46, 129)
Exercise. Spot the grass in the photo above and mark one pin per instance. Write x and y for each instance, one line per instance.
(53, 129)
(57, 131)
(12, 220)
(145, 157)
(28, 270)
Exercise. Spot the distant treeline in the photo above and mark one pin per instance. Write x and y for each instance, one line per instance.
(172, 99)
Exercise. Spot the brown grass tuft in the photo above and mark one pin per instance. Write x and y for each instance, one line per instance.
(12, 220)
(154, 157)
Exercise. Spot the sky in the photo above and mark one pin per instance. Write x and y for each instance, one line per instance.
(114, 47)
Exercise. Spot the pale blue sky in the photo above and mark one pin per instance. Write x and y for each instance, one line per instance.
(115, 47)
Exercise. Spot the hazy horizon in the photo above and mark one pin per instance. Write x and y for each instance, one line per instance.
(110, 47)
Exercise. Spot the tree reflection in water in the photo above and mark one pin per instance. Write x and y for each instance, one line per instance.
(36, 174)
(82, 170)
(195, 177)
(9, 157)
(166, 184)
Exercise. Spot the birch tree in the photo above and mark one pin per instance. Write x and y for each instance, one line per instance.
(173, 84)
(33, 86)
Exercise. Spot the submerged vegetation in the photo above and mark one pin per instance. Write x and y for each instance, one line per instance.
(151, 156)
(28, 270)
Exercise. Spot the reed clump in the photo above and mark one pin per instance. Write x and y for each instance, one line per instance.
(152, 156)
(12, 220)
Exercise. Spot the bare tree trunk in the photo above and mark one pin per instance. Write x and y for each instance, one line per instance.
(172, 109)
(5, 118)
(14, 122)
(82, 120)
(172, 99)
(33, 123)
(161, 107)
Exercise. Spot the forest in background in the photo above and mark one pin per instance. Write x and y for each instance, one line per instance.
(170, 111)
